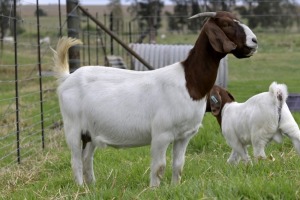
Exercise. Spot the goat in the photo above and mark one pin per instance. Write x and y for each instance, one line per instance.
(262, 118)
(122, 108)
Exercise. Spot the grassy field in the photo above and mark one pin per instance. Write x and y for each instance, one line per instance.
(124, 173)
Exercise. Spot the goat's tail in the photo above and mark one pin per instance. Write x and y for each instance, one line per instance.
(287, 123)
(60, 56)
(279, 91)
(280, 94)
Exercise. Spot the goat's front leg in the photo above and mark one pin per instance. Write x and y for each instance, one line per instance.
(179, 149)
(159, 147)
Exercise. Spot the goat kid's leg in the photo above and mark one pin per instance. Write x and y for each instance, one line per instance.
(259, 145)
(240, 149)
(234, 158)
(179, 149)
(87, 157)
(158, 164)
(289, 127)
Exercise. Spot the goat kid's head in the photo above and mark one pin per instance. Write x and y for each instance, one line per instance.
(227, 34)
(217, 98)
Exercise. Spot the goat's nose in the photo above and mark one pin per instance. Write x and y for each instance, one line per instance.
(254, 40)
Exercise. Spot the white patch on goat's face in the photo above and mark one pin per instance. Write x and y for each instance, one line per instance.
(251, 40)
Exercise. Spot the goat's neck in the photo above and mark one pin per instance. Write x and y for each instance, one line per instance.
(201, 68)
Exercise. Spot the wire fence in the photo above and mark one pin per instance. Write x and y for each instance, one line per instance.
(29, 109)
(28, 104)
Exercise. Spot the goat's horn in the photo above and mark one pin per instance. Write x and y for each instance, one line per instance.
(204, 14)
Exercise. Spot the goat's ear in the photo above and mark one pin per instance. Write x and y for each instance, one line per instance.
(230, 95)
(215, 103)
(217, 38)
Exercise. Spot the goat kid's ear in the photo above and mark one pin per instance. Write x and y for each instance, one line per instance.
(217, 38)
(215, 103)
(230, 95)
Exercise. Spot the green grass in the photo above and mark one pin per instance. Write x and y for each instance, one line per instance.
(124, 173)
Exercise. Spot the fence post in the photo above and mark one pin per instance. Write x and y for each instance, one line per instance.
(73, 21)
(59, 17)
(40, 72)
(111, 20)
(88, 38)
(16, 83)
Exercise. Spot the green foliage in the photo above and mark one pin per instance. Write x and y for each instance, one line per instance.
(148, 13)
(270, 14)
(41, 12)
(178, 20)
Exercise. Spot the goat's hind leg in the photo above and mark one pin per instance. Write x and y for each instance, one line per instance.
(73, 138)
(289, 127)
(234, 158)
(239, 149)
(87, 157)
(259, 148)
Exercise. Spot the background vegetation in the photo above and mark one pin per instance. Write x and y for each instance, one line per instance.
(124, 173)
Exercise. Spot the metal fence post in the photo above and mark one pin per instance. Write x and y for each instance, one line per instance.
(73, 31)
(16, 84)
(111, 20)
(40, 71)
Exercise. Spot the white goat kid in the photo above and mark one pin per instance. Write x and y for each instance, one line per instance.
(262, 118)
(104, 106)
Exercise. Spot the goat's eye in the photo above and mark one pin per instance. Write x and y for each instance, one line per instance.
(225, 24)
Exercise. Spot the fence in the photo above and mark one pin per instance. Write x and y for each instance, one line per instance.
(29, 108)
(28, 104)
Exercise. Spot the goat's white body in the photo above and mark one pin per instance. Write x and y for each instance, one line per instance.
(130, 107)
(257, 122)
(123, 108)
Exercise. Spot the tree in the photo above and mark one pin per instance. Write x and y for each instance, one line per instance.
(117, 12)
(267, 14)
(148, 14)
(181, 13)
(182, 10)
(41, 12)
(6, 22)
(4, 18)
(194, 25)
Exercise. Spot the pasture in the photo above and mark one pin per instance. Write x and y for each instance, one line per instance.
(124, 173)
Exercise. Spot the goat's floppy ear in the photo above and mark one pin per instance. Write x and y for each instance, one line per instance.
(230, 95)
(215, 103)
(217, 38)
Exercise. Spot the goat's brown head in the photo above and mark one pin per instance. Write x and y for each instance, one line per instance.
(227, 34)
(217, 98)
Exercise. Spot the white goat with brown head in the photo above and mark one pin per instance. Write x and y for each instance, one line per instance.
(261, 119)
(104, 106)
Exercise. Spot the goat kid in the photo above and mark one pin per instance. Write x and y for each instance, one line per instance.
(104, 106)
(262, 118)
